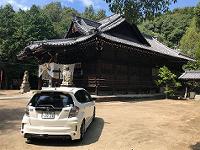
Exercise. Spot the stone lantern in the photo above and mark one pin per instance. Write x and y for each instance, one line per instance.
(25, 86)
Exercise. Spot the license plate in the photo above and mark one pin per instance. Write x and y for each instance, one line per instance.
(48, 115)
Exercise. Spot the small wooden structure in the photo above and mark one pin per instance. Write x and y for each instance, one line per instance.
(194, 77)
(190, 75)
(112, 55)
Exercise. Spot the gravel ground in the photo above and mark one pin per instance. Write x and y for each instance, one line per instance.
(132, 125)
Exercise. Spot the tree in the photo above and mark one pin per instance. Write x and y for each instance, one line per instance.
(89, 13)
(7, 29)
(190, 40)
(101, 14)
(59, 16)
(138, 10)
(197, 15)
(39, 25)
(66, 17)
(168, 80)
(17, 29)
(53, 10)
(169, 27)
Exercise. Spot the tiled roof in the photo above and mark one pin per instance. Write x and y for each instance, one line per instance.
(163, 49)
(91, 28)
(61, 42)
(189, 75)
(27, 52)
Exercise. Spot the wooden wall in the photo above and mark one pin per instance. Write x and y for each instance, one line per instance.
(120, 70)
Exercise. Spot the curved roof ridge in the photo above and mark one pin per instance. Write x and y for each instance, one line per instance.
(109, 20)
(193, 71)
(85, 19)
(112, 24)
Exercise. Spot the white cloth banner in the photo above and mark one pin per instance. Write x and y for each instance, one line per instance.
(53, 70)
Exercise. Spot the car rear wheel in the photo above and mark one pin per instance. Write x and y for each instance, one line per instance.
(82, 130)
(94, 114)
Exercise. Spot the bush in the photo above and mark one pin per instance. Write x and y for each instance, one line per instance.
(168, 80)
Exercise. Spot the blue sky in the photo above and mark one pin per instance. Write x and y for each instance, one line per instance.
(81, 4)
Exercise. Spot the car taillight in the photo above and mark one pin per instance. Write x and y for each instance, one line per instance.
(27, 111)
(73, 112)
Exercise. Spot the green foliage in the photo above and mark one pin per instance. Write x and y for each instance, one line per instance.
(40, 27)
(7, 29)
(135, 11)
(193, 85)
(192, 65)
(169, 27)
(101, 14)
(60, 17)
(168, 80)
(89, 13)
(19, 29)
(189, 43)
(197, 15)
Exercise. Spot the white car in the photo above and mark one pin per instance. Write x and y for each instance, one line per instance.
(62, 111)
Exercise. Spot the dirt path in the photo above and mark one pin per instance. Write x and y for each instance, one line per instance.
(145, 125)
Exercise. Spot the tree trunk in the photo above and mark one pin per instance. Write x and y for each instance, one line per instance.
(166, 91)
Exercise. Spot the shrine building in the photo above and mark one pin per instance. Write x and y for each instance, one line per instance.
(107, 56)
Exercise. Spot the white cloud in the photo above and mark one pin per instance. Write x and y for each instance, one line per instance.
(71, 1)
(16, 4)
(84, 2)
(87, 2)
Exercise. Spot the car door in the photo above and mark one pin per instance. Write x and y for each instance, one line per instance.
(90, 105)
(84, 98)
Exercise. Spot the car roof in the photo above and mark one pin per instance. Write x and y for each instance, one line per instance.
(61, 89)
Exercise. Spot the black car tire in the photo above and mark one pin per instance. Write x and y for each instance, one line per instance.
(94, 114)
(82, 131)
(29, 140)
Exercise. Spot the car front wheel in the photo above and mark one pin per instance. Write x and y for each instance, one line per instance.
(29, 140)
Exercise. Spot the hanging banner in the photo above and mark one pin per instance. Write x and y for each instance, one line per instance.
(53, 70)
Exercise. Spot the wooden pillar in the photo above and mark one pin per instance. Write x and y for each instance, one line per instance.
(128, 78)
(114, 71)
(96, 79)
(39, 83)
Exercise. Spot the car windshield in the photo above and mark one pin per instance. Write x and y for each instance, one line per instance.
(53, 99)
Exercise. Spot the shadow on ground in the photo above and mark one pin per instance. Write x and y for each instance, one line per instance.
(127, 99)
(91, 136)
(9, 118)
(195, 146)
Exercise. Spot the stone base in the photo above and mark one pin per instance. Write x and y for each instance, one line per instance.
(66, 84)
(25, 87)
